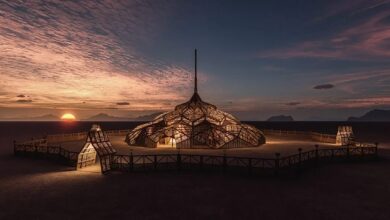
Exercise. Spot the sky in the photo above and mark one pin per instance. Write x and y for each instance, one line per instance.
(314, 60)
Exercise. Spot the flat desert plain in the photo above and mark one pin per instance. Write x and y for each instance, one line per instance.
(39, 189)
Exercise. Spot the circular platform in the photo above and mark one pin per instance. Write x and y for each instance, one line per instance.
(275, 144)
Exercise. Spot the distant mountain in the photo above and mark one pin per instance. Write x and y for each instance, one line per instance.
(147, 117)
(280, 118)
(97, 118)
(48, 117)
(106, 117)
(373, 115)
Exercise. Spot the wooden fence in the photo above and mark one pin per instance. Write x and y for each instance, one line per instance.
(251, 165)
(40, 149)
(52, 138)
(315, 136)
(44, 148)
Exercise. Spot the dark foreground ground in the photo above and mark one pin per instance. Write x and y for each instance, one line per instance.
(36, 189)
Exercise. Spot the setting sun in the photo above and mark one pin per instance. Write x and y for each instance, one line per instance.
(68, 117)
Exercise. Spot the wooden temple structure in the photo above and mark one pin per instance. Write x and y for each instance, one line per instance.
(196, 124)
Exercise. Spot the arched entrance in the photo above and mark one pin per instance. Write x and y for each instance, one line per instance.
(167, 142)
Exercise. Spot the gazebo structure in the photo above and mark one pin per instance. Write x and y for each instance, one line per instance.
(196, 124)
(345, 136)
(97, 143)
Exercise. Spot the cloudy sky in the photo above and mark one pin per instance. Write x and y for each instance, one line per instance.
(314, 60)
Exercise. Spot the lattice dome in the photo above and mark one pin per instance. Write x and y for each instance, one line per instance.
(196, 124)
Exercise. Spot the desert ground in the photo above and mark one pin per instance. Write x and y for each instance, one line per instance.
(39, 189)
(275, 144)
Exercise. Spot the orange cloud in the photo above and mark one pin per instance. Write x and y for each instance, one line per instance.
(60, 56)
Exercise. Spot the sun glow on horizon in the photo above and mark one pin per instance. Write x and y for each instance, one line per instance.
(68, 117)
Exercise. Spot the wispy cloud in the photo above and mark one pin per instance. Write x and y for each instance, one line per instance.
(360, 81)
(345, 103)
(64, 52)
(24, 100)
(350, 8)
(324, 86)
(123, 103)
(292, 103)
(365, 40)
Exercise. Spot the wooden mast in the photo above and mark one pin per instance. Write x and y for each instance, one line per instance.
(196, 73)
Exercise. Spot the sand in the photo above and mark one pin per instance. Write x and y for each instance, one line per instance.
(275, 144)
(39, 189)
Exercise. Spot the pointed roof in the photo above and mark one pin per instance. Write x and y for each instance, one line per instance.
(196, 72)
(195, 100)
(99, 141)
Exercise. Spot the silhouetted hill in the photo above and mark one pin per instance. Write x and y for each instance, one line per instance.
(280, 118)
(48, 117)
(106, 117)
(374, 115)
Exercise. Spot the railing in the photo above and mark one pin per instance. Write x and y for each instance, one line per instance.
(316, 136)
(117, 132)
(66, 137)
(82, 135)
(250, 165)
(38, 149)
(42, 148)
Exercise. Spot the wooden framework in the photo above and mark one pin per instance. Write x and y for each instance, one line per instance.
(97, 143)
(196, 124)
(345, 136)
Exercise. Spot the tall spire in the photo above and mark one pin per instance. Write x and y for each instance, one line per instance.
(196, 73)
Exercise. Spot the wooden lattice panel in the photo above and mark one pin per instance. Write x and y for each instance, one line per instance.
(97, 143)
(344, 135)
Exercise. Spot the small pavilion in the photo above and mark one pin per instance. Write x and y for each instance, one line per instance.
(96, 145)
(345, 135)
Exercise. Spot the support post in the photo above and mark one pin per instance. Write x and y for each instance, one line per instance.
(317, 154)
(376, 149)
(131, 162)
(299, 159)
(178, 160)
(277, 163)
(155, 162)
(15, 152)
(201, 162)
(224, 160)
(250, 166)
